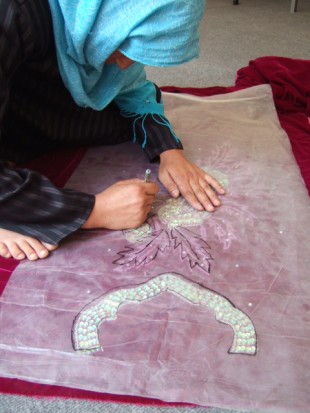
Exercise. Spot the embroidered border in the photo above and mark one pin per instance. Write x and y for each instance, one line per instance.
(85, 327)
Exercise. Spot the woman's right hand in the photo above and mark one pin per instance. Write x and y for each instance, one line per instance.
(124, 205)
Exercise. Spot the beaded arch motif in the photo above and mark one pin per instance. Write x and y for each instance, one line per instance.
(85, 327)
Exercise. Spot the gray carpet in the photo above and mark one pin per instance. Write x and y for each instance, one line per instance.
(230, 37)
(233, 35)
(17, 404)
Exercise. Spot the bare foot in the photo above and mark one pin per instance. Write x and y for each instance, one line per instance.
(18, 246)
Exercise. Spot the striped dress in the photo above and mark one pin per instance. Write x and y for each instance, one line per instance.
(37, 114)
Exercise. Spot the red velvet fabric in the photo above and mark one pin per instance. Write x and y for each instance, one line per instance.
(24, 388)
(290, 83)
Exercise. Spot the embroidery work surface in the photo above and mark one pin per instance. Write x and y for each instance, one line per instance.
(211, 309)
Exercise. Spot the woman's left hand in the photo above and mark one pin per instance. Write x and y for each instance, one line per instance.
(181, 177)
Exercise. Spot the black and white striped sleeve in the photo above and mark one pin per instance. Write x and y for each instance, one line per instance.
(31, 205)
(159, 136)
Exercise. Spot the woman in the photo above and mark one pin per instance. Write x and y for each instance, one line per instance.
(72, 74)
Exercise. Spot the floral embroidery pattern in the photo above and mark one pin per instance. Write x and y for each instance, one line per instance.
(167, 230)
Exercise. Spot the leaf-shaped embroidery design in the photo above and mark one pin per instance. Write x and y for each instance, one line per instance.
(193, 248)
(138, 234)
(239, 211)
(223, 156)
(223, 231)
(222, 227)
(144, 252)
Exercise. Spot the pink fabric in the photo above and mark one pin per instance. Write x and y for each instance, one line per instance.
(166, 348)
(292, 102)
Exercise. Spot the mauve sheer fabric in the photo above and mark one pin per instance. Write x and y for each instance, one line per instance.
(254, 250)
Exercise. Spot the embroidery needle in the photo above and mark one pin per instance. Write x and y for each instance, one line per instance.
(147, 175)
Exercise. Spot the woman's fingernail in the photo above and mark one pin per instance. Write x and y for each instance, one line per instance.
(175, 193)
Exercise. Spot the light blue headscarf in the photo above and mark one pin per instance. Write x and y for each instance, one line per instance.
(150, 32)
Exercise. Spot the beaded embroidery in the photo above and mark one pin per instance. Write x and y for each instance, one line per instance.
(138, 234)
(179, 213)
(85, 327)
(166, 230)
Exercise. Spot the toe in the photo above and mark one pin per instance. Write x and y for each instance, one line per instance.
(4, 251)
(16, 252)
(50, 247)
(27, 249)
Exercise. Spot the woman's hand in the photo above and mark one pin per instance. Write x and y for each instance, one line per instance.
(123, 205)
(180, 176)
